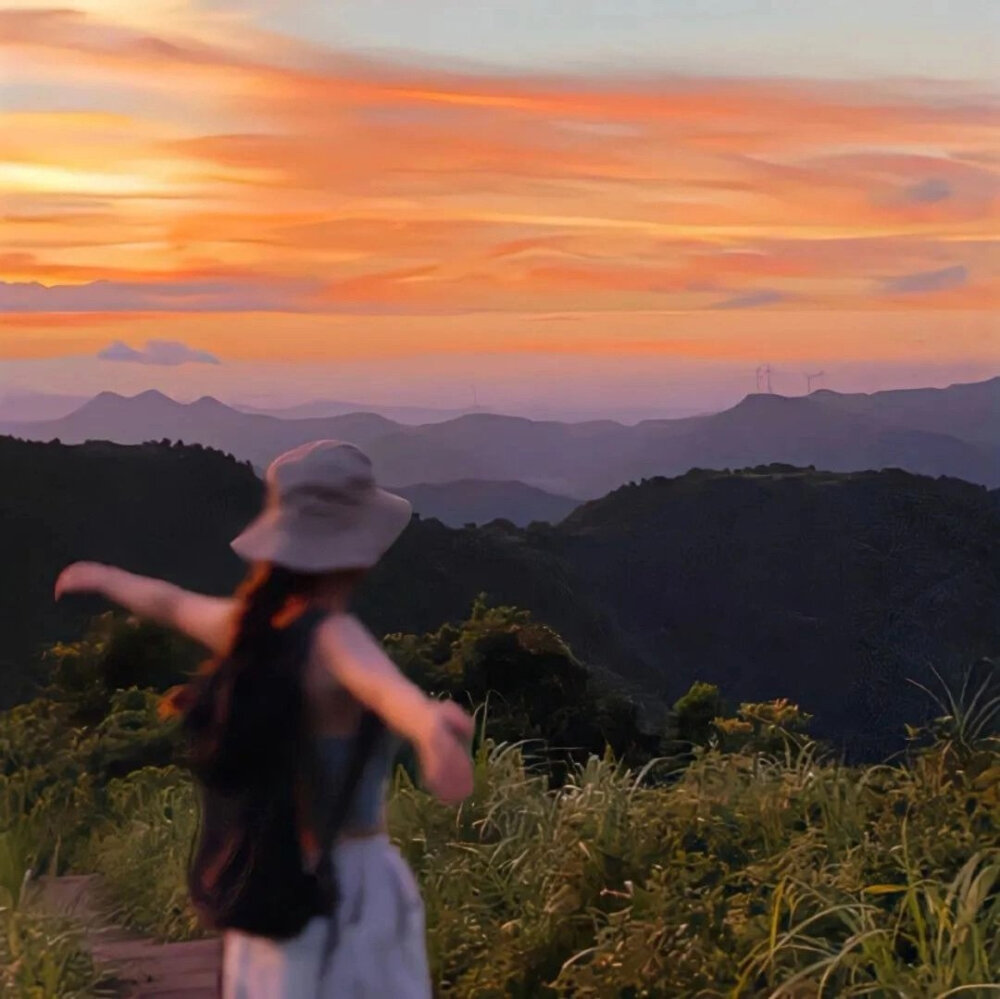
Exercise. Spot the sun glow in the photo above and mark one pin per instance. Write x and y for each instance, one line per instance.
(196, 166)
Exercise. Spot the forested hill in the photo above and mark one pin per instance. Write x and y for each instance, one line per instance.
(150, 508)
(828, 588)
(831, 589)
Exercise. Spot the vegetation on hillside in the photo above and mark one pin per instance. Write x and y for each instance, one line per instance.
(614, 846)
(829, 589)
(533, 688)
(745, 862)
(159, 509)
(42, 955)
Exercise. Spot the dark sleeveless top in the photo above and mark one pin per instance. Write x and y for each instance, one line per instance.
(365, 812)
(334, 756)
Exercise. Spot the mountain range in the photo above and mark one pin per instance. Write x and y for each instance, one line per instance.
(19, 405)
(953, 431)
(970, 412)
(323, 409)
(828, 588)
(481, 501)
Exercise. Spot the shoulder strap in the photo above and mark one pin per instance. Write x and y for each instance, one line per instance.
(306, 625)
(369, 729)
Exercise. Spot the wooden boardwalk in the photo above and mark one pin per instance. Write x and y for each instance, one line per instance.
(142, 967)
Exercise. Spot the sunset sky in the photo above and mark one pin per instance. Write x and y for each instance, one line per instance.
(559, 204)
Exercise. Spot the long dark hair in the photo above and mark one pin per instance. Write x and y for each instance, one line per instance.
(244, 714)
(250, 748)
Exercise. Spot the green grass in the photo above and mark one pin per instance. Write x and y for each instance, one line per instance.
(141, 848)
(749, 865)
(42, 956)
(744, 874)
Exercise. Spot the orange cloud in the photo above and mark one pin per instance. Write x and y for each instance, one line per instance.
(251, 172)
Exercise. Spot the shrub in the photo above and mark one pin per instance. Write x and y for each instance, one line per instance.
(141, 850)
(116, 653)
(746, 874)
(42, 956)
(754, 866)
(536, 687)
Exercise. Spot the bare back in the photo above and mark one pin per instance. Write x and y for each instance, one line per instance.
(332, 709)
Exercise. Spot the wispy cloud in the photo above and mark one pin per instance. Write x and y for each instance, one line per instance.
(927, 281)
(144, 296)
(929, 191)
(162, 353)
(218, 169)
(751, 300)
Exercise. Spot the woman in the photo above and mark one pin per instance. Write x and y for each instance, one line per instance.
(277, 723)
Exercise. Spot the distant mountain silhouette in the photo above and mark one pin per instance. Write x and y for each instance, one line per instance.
(952, 432)
(831, 589)
(418, 415)
(322, 409)
(804, 431)
(153, 416)
(970, 411)
(476, 501)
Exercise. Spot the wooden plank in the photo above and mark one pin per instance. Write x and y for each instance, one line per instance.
(143, 968)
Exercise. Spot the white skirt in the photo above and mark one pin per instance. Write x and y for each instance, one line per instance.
(380, 949)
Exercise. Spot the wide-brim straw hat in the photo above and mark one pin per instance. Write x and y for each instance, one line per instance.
(324, 512)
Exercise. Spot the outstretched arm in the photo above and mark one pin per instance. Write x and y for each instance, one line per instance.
(440, 731)
(205, 619)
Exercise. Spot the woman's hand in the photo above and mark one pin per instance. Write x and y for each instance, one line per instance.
(443, 752)
(82, 577)
(439, 731)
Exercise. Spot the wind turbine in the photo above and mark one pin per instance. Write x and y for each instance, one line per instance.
(811, 378)
(764, 379)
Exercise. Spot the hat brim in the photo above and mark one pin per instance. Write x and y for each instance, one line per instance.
(311, 543)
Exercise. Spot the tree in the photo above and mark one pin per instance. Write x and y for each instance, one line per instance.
(694, 713)
(116, 653)
(533, 685)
